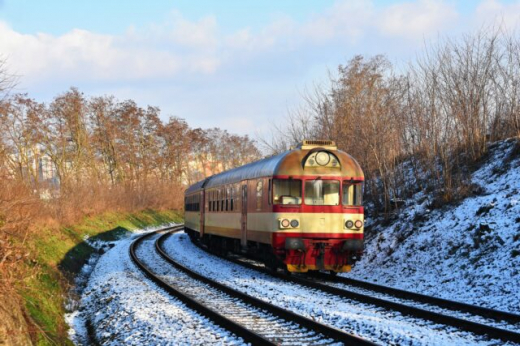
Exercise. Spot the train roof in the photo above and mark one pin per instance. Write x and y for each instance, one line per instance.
(262, 168)
(197, 186)
(286, 163)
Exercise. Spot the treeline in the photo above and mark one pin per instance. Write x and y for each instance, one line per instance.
(421, 128)
(82, 155)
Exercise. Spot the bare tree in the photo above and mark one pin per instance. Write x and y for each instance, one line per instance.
(420, 129)
(7, 80)
(19, 125)
(175, 150)
(104, 136)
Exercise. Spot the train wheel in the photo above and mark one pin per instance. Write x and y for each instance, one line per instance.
(271, 264)
(332, 273)
(213, 246)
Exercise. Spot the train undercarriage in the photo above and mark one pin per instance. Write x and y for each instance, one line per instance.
(297, 254)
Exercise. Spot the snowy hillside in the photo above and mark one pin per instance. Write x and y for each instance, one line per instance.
(469, 252)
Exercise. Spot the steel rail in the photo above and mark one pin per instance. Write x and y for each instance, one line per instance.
(497, 315)
(246, 334)
(474, 327)
(328, 331)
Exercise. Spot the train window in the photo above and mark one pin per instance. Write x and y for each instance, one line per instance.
(228, 199)
(269, 192)
(231, 190)
(287, 191)
(259, 193)
(190, 203)
(352, 193)
(222, 197)
(322, 192)
(238, 194)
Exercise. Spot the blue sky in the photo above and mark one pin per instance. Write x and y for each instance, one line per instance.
(239, 65)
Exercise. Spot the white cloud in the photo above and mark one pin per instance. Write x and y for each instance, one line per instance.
(177, 30)
(279, 34)
(346, 20)
(490, 12)
(179, 46)
(416, 19)
(349, 22)
(83, 55)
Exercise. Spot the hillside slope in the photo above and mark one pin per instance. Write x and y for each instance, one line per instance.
(32, 310)
(468, 252)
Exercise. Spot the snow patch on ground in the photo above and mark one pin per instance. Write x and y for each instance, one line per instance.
(469, 252)
(123, 307)
(78, 331)
(367, 321)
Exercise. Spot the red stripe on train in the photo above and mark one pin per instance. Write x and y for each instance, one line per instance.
(324, 177)
(286, 208)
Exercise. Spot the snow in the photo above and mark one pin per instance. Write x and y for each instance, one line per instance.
(367, 321)
(468, 252)
(254, 319)
(123, 307)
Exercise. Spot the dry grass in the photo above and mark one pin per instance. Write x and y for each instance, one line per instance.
(23, 216)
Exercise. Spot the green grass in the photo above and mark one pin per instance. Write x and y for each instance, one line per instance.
(60, 254)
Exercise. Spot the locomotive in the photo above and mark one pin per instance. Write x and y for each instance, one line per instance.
(300, 210)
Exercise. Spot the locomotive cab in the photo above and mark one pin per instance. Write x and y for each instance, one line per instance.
(320, 214)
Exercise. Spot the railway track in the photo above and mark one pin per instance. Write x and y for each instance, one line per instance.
(257, 322)
(323, 283)
(496, 315)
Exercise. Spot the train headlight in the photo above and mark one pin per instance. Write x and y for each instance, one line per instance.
(295, 223)
(285, 223)
(349, 224)
(359, 224)
(322, 158)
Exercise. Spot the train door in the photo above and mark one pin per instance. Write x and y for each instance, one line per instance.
(243, 239)
(202, 211)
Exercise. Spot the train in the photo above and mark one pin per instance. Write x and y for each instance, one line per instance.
(300, 210)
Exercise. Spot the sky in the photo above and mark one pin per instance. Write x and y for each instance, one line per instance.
(240, 65)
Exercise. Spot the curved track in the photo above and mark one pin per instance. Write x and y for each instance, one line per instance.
(257, 322)
(496, 315)
(321, 283)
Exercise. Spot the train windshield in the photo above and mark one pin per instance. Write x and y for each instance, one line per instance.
(287, 191)
(352, 193)
(322, 192)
